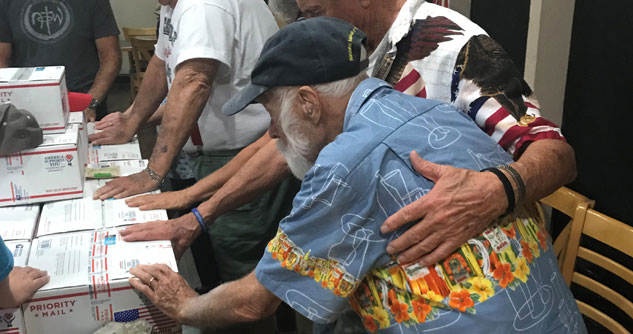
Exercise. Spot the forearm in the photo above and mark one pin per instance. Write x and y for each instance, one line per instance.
(206, 187)
(151, 93)
(264, 170)
(187, 97)
(5, 55)
(244, 300)
(545, 166)
(108, 70)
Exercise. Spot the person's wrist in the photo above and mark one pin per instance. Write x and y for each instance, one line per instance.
(496, 193)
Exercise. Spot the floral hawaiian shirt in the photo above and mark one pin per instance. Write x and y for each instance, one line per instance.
(329, 255)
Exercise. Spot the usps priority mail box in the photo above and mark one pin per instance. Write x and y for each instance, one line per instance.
(40, 90)
(52, 171)
(79, 118)
(18, 222)
(104, 153)
(86, 214)
(89, 283)
(12, 320)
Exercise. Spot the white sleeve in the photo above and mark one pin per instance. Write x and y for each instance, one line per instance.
(205, 31)
(163, 40)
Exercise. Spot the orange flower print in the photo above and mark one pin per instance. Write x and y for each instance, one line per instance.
(420, 309)
(510, 232)
(503, 274)
(370, 324)
(525, 250)
(461, 300)
(542, 238)
(399, 310)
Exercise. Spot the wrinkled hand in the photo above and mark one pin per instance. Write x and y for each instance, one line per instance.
(460, 206)
(182, 232)
(20, 285)
(167, 290)
(116, 130)
(114, 119)
(91, 115)
(126, 186)
(172, 200)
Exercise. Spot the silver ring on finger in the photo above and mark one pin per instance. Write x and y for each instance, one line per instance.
(150, 282)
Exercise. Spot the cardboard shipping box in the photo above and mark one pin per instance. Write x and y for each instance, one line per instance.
(12, 320)
(86, 214)
(40, 90)
(52, 171)
(104, 153)
(89, 283)
(18, 222)
(78, 118)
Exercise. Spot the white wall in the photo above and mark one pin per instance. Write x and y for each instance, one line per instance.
(547, 55)
(135, 14)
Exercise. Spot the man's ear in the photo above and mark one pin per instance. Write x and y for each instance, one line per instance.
(310, 102)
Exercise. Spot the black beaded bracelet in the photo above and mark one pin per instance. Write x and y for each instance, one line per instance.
(507, 186)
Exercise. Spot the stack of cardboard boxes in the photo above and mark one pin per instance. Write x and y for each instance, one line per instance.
(70, 235)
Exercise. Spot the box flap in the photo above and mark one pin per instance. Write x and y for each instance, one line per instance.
(20, 250)
(70, 136)
(31, 74)
(64, 256)
(70, 216)
(18, 222)
(117, 213)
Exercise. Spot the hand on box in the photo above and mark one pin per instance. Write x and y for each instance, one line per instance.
(165, 288)
(460, 206)
(182, 232)
(126, 186)
(115, 129)
(91, 115)
(20, 286)
(172, 200)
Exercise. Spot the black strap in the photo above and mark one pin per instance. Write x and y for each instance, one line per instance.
(507, 186)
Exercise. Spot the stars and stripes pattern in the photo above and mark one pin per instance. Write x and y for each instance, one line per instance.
(488, 113)
(13, 330)
(150, 313)
(443, 3)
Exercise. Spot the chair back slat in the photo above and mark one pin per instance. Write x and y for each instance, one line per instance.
(601, 318)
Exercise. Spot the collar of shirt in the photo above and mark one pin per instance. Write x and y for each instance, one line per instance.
(361, 94)
(398, 30)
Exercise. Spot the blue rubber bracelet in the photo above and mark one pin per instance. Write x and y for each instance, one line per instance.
(196, 213)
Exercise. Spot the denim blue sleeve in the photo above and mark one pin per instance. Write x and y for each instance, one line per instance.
(6, 261)
(325, 246)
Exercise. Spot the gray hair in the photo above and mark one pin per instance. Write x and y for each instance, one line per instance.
(338, 88)
(285, 11)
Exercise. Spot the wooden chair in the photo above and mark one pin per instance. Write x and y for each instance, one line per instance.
(142, 52)
(129, 33)
(614, 234)
(573, 205)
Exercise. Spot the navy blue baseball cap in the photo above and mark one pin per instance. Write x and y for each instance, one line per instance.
(308, 52)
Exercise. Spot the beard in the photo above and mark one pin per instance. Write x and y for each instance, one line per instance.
(299, 151)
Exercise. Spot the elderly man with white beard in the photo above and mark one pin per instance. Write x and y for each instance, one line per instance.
(354, 141)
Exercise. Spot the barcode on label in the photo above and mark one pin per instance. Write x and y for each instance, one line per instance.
(129, 216)
(45, 244)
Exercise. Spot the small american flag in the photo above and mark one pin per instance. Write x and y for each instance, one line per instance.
(444, 3)
(10, 331)
(151, 314)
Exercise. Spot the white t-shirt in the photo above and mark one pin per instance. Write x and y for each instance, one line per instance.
(233, 33)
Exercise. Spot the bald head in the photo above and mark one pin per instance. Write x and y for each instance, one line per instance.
(373, 17)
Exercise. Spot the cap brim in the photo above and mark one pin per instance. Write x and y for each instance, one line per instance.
(245, 97)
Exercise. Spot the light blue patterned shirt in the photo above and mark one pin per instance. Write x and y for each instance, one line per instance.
(329, 255)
